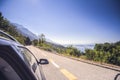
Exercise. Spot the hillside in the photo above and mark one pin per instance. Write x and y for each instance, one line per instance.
(6, 26)
(24, 31)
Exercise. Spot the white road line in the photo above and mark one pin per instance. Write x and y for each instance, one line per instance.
(57, 66)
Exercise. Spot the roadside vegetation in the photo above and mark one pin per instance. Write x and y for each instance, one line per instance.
(56, 48)
(105, 53)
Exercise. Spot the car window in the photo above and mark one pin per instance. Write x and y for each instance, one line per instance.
(30, 61)
(28, 57)
(7, 72)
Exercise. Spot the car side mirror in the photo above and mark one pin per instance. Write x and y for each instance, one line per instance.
(117, 77)
(43, 61)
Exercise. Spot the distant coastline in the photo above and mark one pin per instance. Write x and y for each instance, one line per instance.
(82, 47)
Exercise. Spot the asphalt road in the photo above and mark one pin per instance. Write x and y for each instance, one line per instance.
(62, 68)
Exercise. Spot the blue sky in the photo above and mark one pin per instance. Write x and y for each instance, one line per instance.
(67, 21)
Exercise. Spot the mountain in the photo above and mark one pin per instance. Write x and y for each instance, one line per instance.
(24, 31)
(48, 40)
(55, 45)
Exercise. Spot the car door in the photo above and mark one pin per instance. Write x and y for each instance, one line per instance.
(10, 55)
(7, 72)
(32, 63)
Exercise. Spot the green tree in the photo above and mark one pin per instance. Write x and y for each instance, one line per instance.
(107, 52)
(42, 39)
(28, 41)
(35, 42)
(73, 51)
(90, 54)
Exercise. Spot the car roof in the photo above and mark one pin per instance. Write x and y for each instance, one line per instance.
(5, 41)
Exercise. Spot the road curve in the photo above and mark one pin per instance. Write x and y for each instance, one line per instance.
(62, 68)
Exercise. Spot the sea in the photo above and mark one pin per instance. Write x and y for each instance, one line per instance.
(83, 46)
